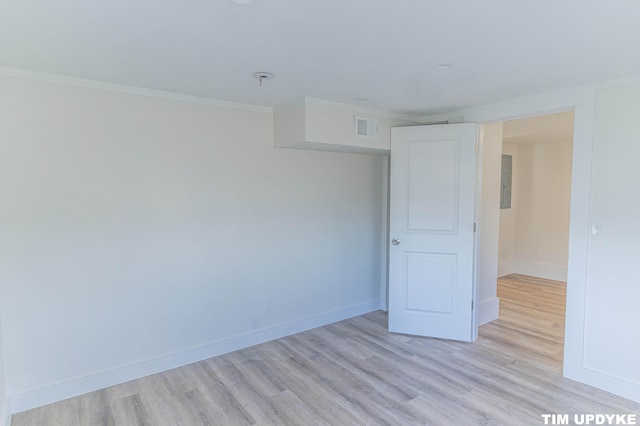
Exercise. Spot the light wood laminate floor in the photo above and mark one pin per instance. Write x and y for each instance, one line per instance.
(355, 373)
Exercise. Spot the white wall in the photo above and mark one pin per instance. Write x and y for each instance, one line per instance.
(489, 222)
(601, 339)
(330, 121)
(601, 342)
(311, 123)
(139, 234)
(507, 243)
(612, 340)
(534, 233)
(5, 417)
(542, 218)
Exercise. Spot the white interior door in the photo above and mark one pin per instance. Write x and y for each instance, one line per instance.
(431, 255)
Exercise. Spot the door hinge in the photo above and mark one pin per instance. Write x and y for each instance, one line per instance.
(474, 227)
(472, 305)
(477, 147)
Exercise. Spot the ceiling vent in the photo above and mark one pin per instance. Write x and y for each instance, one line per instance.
(366, 127)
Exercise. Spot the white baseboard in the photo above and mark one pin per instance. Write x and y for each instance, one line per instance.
(604, 381)
(384, 305)
(488, 310)
(548, 271)
(5, 414)
(100, 380)
(506, 267)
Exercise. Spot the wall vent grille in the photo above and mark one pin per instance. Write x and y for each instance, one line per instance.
(366, 127)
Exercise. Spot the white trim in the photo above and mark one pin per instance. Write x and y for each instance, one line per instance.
(602, 380)
(488, 310)
(5, 414)
(384, 259)
(477, 214)
(450, 117)
(544, 103)
(81, 385)
(356, 108)
(122, 88)
(581, 100)
(533, 105)
(547, 271)
(506, 267)
(577, 268)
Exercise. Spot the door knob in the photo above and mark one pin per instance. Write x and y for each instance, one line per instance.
(395, 241)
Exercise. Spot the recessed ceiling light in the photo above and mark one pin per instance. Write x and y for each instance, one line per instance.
(443, 67)
(244, 2)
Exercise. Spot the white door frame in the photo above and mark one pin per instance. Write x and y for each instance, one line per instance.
(581, 101)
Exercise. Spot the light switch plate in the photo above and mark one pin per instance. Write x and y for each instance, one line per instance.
(597, 227)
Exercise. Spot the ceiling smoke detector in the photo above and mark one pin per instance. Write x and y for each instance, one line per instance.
(261, 76)
(443, 67)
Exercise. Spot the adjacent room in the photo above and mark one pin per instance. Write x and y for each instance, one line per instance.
(292, 212)
(536, 201)
(533, 246)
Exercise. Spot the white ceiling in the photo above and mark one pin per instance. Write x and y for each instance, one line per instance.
(383, 50)
(542, 128)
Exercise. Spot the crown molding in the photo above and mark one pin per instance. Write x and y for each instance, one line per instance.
(26, 74)
(358, 109)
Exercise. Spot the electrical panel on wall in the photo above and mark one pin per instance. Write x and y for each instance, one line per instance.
(366, 127)
(507, 175)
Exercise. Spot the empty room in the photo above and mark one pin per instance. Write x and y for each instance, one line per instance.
(232, 212)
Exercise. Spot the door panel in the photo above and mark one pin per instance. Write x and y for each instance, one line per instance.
(431, 282)
(431, 269)
(433, 191)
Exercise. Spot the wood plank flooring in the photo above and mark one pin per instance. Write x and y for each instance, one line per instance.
(355, 373)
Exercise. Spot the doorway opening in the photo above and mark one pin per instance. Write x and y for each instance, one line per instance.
(534, 230)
